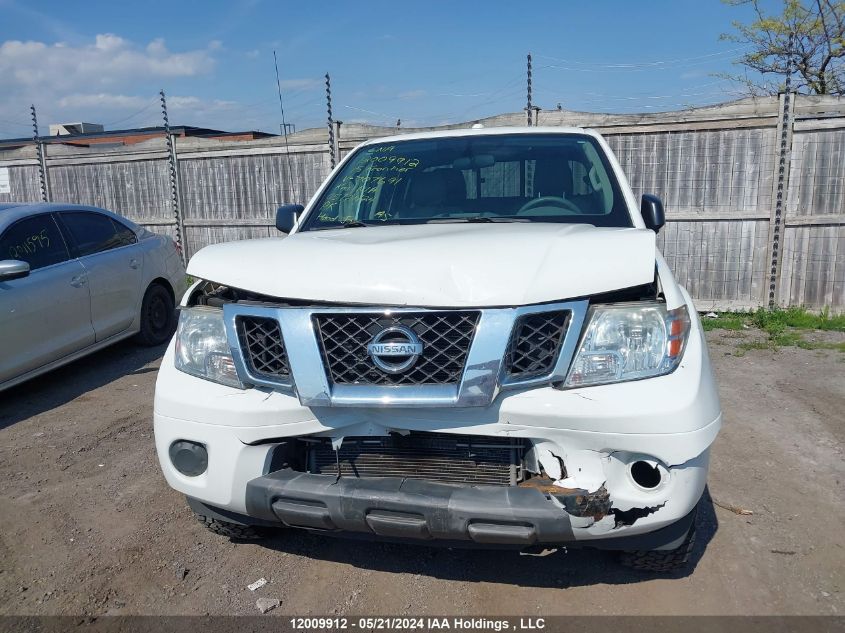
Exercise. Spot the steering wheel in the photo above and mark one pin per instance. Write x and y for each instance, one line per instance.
(545, 201)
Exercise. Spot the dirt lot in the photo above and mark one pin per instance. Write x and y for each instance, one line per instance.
(88, 525)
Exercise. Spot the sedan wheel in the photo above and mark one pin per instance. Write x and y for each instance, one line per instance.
(158, 318)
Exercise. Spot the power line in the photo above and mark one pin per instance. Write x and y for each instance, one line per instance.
(153, 103)
(651, 64)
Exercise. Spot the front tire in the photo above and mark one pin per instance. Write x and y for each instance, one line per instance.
(661, 560)
(158, 316)
(232, 530)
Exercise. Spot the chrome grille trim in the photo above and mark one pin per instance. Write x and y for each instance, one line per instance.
(446, 337)
(484, 373)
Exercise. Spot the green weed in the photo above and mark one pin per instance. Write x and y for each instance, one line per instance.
(783, 327)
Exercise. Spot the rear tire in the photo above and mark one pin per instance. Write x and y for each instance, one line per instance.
(661, 560)
(158, 316)
(232, 530)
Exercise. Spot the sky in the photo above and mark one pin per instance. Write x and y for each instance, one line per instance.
(426, 63)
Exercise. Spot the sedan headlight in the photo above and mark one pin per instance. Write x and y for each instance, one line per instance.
(629, 342)
(202, 348)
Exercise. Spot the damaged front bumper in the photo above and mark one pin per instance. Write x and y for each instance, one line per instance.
(409, 509)
(583, 445)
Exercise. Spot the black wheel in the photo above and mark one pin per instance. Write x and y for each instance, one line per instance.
(158, 316)
(232, 530)
(661, 560)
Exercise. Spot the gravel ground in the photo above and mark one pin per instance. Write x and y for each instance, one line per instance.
(88, 525)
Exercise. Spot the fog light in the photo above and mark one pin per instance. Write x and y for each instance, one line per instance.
(189, 458)
(645, 475)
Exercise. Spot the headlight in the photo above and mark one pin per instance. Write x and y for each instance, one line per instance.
(202, 348)
(629, 342)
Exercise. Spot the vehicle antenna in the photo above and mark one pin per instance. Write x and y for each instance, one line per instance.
(284, 130)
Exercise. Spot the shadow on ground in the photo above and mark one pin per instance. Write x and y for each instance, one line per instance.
(67, 383)
(560, 569)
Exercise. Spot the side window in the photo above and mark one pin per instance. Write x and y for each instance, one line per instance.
(34, 240)
(92, 232)
(125, 235)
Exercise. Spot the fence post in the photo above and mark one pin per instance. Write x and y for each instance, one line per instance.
(528, 109)
(783, 151)
(330, 122)
(336, 145)
(174, 181)
(44, 182)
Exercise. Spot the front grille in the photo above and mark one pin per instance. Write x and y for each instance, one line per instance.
(446, 338)
(536, 343)
(460, 459)
(263, 347)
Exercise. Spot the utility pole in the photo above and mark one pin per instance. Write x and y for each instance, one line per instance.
(42, 163)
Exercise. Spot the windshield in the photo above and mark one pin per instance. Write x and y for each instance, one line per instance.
(495, 178)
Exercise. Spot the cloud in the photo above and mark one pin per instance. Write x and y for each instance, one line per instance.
(301, 84)
(113, 80)
(99, 79)
(121, 101)
(196, 104)
(109, 60)
(412, 94)
(102, 100)
(253, 54)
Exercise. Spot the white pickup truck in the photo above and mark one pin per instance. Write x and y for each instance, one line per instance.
(466, 337)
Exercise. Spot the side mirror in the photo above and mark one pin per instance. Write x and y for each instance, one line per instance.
(286, 216)
(652, 211)
(13, 269)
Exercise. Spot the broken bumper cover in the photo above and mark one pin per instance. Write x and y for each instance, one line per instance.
(586, 439)
(397, 508)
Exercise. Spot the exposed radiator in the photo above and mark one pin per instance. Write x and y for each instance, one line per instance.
(442, 457)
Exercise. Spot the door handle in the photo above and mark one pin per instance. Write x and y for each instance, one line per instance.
(77, 281)
(133, 263)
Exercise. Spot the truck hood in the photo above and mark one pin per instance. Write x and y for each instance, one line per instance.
(436, 265)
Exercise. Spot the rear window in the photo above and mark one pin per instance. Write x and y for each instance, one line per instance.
(95, 232)
(519, 177)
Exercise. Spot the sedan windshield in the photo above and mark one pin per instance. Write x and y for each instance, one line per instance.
(493, 178)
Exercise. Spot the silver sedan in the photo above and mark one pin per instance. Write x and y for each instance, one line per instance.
(74, 279)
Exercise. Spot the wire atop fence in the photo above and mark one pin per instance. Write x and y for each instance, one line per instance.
(716, 169)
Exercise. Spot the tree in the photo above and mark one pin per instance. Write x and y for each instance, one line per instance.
(809, 36)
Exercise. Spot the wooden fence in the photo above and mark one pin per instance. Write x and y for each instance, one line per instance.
(754, 189)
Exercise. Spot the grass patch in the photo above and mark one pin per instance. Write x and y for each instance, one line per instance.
(783, 327)
(742, 348)
(728, 321)
(776, 321)
(786, 339)
(839, 347)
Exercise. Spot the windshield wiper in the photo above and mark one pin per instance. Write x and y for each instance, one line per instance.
(474, 219)
(351, 224)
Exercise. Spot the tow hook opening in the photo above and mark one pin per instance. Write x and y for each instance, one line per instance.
(646, 475)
